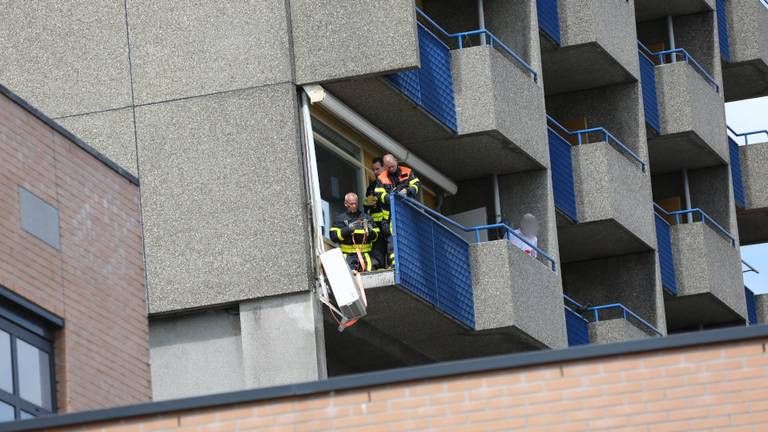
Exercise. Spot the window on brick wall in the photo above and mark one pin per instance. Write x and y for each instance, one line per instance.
(27, 385)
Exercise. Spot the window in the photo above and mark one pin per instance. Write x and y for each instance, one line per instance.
(39, 218)
(27, 385)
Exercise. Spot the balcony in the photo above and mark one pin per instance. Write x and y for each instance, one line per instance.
(449, 298)
(708, 286)
(686, 110)
(601, 186)
(460, 110)
(588, 39)
(604, 324)
(749, 165)
(646, 10)
(742, 27)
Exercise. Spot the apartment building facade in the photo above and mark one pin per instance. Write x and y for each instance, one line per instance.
(247, 122)
(73, 317)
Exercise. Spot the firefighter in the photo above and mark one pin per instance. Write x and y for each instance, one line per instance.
(374, 208)
(398, 179)
(355, 232)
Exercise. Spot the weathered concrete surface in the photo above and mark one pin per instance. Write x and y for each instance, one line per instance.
(753, 220)
(746, 74)
(209, 180)
(698, 35)
(651, 9)
(614, 330)
(340, 40)
(503, 278)
(712, 191)
(761, 304)
(708, 270)
(182, 49)
(692, 117)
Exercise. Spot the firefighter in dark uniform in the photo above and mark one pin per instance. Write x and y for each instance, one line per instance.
(355, 232)
(374, 208)
(401, 180)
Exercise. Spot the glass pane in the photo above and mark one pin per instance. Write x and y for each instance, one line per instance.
(6, 371)
(25, 415)
(6, 412)
(337, 177)
(34, 374)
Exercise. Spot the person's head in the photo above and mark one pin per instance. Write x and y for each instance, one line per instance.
(377, 166)
(390, 163)
(529, 225)
(350, 202)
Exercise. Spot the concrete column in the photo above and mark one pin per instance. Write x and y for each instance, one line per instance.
(282, 340)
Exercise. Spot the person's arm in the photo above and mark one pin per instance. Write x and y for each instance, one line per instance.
(382, 194)
(340, 231)
(414, 185)
(370, 197)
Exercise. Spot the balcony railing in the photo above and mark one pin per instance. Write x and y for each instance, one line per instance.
(561, 162)
(620, 311)
(681, 215)
(736, 176)
(722, 30)
(432, 260)
(648, 83)
(751, 306)
(460, 40)
(680, 54)
(747, 135)
(549, 19)
(666, 257)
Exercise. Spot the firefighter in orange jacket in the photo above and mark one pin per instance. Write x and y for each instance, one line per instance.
(398, 179)
(355, 231)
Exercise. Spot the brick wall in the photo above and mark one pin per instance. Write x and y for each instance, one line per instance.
(96, 281)
(713, 387)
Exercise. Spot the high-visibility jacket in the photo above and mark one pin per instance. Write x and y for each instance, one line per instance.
(377, 210)
(362, 235)
(402, 179)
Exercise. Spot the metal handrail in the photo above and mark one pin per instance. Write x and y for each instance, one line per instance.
(686, 58)
(494, 41)
(625, 312)
(608, 137)
(746, 135)
(704, 218)
(476, 229)
(749, 268)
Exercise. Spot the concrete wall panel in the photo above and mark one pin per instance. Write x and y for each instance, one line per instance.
(222, 196)
(754, 169)
(342, 39)
(614, 330)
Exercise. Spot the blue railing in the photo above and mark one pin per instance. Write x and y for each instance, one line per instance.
(561, 164)
(722, 30)
(583, 137)
(576, 327)
(626, 314)
(666, 257)
(746, 135)
(751, 306)
(549, 19)
(679, 54)
(703, 217)
(432, 261)
(493, 41)
(749, 268)
(431, 86)
(736, 177)
(648, 84)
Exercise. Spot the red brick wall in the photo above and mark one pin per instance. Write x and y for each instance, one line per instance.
(96, 281)
(714, 387)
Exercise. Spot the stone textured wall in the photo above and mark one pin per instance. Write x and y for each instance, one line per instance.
(95, 281)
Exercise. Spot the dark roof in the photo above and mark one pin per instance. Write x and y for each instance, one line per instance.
(393, 376)
(67, 134)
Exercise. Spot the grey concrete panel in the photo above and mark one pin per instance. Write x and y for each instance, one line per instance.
(183, 49)
(605, 23)
(195, 354)
(222, 198)
(109, 132)
(761, 304)
(503, 278)
(282, 340)
(632, 280)
(516, 24)
(335, 40)
(611, 186)
(588, 66)
(706, 263)
(754, 172)
(689, 104)
(712, 192)
(66, 57)
(697, 34)
(601, 239)
(753, 227)
(699, 312)
(614, 330)
(490, 88)
(531, 192)
(652, 9)
(746, 75)
(39, 218)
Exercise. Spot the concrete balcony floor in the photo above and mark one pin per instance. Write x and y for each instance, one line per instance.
(646, 10)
